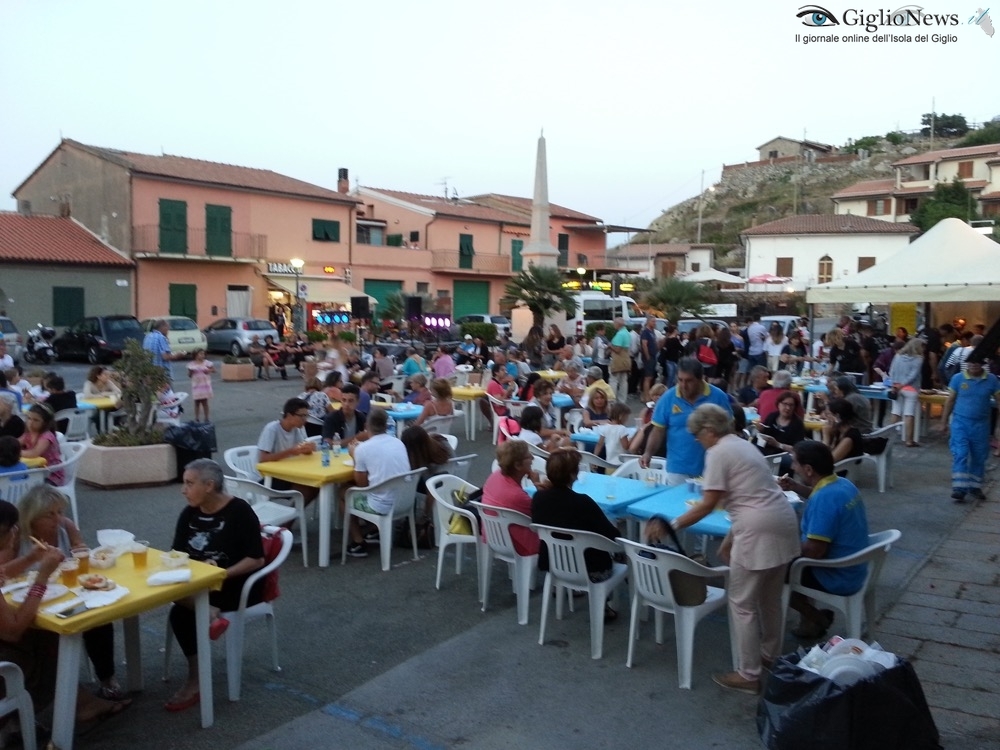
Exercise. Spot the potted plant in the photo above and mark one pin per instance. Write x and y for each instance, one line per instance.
(236, 368)
(134, 452)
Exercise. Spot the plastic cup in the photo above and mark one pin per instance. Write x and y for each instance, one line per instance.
(761, 441)
(82, 557)
(69, 569)
(140, 553)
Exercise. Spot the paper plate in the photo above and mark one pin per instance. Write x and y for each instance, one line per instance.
(848, 646)
(847, 669)
(54, 591)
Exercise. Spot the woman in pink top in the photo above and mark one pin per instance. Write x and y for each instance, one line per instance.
(39, 439)
(503, 489)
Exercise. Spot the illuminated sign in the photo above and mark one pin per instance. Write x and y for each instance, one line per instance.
(329, 269)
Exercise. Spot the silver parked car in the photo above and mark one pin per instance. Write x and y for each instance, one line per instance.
(233, 335)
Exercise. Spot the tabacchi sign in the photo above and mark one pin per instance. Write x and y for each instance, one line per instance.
(909, 23)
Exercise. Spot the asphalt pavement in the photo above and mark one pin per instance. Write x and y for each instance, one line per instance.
(383, 660)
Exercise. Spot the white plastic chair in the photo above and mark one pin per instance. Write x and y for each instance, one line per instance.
(650, 579)
(72, 453)
(17, 699)
(271, 507)
(574, 420)
(15, 486)
(243, 461)
(462, 374)
(383, 398)
(881, 461)
(568, 569)
(441, 488)
(398, 383)
(179, 398)
(496, 523)
(514, 408)
(499, 404)
(460, 466)
(78, 427)
(538, 452)
(439, 424)
(452, 440)
(590, 462)
(236, 632)
(854, 605)
(403, 488)
(774, 462)
(630, 469)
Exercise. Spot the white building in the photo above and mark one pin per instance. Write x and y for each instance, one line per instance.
(819, 248)
(661, 260)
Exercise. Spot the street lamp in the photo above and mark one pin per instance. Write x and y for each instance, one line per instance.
(298, 322)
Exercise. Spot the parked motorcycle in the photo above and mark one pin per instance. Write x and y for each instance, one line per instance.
(38, 346)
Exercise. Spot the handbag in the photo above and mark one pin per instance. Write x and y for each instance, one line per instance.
(689, 590)
(707, 355)
(621, 362)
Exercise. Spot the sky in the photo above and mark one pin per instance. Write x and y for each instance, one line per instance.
(636, 99)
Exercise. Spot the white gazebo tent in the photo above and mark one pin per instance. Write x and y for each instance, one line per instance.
(951, 262)
(713, 276)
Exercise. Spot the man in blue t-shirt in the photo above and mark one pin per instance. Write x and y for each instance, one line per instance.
(685, 456)
(834, 524)
(969, 405)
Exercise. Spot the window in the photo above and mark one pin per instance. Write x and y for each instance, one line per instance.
(173, 226)
(465, 251)
(910, 205)
(964, 170)
(218, 231)
(880, 207)
(695, 267)
(991, 209)
(415, 236)
(772, 154)
(423, 287)
(516, 262)
(325, 230)
(563, 250)
(784, 267)
(371, 236)
(865, 262)
(825, 272)
(67, 305)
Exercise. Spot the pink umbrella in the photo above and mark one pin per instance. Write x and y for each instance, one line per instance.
(766, 278)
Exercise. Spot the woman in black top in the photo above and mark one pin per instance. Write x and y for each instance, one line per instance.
(561, 506)
(794, 354)
(726, 353)
(555, 341)
(844, 439)
(782, 429)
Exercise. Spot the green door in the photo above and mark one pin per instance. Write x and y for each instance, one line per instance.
(470, 298)
(381, 289)
(67, 305)
(516, 262)
(173, 226)
(183, 300)
(466, 252)
(219, 231)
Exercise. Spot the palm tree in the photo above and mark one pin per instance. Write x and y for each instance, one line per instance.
(541, 290)
(674, 297)
(395, 306)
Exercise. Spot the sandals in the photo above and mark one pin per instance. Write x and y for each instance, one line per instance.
(219, 626)
(175, 706)
(111, 693)
(111, 711)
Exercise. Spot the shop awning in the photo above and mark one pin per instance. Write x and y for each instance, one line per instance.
(319, 290)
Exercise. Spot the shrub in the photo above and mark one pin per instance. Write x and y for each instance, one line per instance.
(486, 331)
(229, 359)
(315, 337)
(141, 381)
(348, 336)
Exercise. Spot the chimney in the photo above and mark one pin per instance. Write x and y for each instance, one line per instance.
(343, 184)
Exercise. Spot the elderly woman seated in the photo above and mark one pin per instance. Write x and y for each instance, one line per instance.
(218, 529)
(503, 489)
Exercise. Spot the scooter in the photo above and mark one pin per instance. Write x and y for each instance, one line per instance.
(37, 347)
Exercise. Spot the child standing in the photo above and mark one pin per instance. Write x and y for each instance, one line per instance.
(200, 370)
(614, 435)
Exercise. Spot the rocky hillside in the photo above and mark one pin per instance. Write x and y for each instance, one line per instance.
(760, 192)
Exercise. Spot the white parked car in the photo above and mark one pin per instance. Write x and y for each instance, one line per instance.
(184, 335)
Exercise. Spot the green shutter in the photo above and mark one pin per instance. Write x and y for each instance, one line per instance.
(173, 226)
(325, 230)
(184, 300)
(516, 264)
(465, 251)
(470, 298)
(563, 250)
(394, 240)
(380, 289)
(67, 305)
(218, 231)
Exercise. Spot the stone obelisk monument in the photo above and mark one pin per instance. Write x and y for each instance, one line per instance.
(539, 250)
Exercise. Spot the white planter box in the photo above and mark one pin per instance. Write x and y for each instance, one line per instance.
(128, 467)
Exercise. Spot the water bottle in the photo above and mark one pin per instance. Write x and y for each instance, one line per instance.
(390, 427)
(336, 444)
(324, 453)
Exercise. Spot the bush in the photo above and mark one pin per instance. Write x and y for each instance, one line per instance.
(229, 359)
(315, 336)
(486, 331)
(122, 439)
(141, 381)
(349, 336)
(896, 138)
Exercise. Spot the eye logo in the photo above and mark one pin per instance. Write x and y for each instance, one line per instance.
(816, 16)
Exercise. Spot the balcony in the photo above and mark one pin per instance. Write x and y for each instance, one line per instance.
(242, 246)
(451, 261)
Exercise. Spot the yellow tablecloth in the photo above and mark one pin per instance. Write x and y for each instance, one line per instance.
(309, 469)
(467, 392)
(816, 425)
(933, 398)
(141, 597)
(104, 403)
(35, 463)
(552, 374)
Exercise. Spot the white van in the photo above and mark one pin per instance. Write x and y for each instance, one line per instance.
(598, 307)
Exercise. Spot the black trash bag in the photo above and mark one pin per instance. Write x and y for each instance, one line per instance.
(198, 437)
(801, 709)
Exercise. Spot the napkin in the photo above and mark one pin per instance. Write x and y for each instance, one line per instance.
(95, 599)
(54, 609)
(14, 587)
(167, 577)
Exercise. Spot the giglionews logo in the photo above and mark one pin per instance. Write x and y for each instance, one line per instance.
(905, 24)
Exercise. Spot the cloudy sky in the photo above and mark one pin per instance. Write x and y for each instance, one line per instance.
(635, 98)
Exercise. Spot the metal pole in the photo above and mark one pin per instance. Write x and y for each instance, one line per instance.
(701, 204)
(298, 304)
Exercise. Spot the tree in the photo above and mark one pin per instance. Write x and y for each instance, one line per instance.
(541, 290)
(947, 126)
(395, 305)
(987, 134)
(949, 200)
(141, 382)
(675, 297)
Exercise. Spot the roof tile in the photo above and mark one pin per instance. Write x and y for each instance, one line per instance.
(866, 188)
(523, 206)
(830, 224)
(948, 154)
(460, 207)
(53, 239)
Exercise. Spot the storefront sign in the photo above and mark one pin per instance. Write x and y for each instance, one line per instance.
(286, 269)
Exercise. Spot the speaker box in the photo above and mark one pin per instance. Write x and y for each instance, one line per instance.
(359, 308)
(414, 307)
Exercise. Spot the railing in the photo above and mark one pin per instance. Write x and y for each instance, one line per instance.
(446, 260)
(242, 245)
